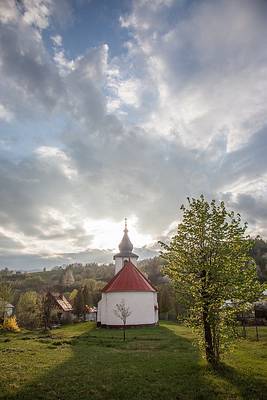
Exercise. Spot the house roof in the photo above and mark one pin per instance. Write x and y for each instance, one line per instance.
(129, 279)
(5, 304)
(62, 302)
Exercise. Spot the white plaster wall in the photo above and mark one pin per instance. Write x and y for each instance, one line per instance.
(99, 309)
(119, 262)
(9, 311)
(141, 304)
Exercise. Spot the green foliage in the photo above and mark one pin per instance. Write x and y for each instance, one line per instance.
(33, 282)
(67, 277)
(6, 294)
(28, 310)
(152, 267)
(166, 298)
(210, 265)
(91, 284)
(73, 294)
(6, 291)
(47, 306)
(87, 296)
(79, 303)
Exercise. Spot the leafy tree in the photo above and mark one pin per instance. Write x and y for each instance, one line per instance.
(166, 298)
(33, 283)
(10, 324)
(152, 267)
(73, 294)
(47, 304)
(28, 310)
(87, 296)
(209, 262)
(122, 311)
(6, 293)
(79, 303)
(91, 284)
(259, 253)
(67, 277)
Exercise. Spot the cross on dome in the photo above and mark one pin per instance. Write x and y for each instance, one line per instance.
(125, 246)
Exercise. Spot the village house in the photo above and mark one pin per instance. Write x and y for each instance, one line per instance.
(6, 309)
(90, 313)
(62, 309)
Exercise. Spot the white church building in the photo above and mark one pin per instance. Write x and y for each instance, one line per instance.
(129, 285)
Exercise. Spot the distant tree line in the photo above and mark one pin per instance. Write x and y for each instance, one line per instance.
(82, 284)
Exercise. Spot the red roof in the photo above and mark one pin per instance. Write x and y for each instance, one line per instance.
(129, 279)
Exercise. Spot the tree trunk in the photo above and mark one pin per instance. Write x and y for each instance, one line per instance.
(210, 354)
(209, 345)
(124, 332)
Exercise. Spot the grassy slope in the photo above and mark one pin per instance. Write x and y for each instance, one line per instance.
(80, 362)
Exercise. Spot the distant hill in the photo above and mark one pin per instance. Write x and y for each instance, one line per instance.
(32, 262)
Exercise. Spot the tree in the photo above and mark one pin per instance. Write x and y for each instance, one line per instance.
(87, 296)
(28, 310)
(47, 306)
(73, 294)
(91, 284)
(79, 303)
(259, 253)
(152, 267)
(6, 293)
(122, 312)
(166, 300)
(67, 277)
(210, 265)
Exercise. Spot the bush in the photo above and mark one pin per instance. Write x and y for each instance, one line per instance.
(10, 324)
(28, 310)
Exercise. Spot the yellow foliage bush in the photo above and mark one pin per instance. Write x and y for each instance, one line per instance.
(10, 324)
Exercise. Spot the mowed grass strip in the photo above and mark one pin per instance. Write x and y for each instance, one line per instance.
(82, 362)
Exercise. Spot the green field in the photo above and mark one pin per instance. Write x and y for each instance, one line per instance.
(82, 362)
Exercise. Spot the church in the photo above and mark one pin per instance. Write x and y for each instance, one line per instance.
(130, 286)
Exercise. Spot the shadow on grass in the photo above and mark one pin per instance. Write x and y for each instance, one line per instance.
(154, 363)
(249, 387)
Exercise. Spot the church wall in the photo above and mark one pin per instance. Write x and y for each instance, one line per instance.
(141, 304)
(119, 262)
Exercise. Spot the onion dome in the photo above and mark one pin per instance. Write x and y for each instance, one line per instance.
(125, 246)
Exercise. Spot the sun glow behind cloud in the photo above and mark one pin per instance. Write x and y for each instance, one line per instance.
(107, 233)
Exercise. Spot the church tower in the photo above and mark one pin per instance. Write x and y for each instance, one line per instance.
(126, 251)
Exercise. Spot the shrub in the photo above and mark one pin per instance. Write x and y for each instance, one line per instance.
(10, 324)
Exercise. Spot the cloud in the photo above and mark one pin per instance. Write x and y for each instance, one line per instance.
(180, 112)
(5, 114)
(209, 78)
(57, 40)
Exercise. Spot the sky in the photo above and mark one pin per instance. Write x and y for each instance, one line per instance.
(114, 109)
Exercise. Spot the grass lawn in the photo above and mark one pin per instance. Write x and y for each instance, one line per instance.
(82, 362)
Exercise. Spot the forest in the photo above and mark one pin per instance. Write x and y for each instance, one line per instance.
(77, 280)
